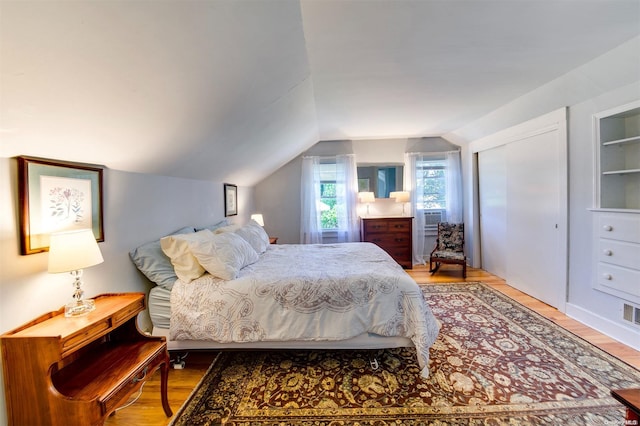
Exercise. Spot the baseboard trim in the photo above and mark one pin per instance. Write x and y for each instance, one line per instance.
(620, 332)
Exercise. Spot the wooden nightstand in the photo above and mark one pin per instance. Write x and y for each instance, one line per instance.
(77, 371)
(273, 240)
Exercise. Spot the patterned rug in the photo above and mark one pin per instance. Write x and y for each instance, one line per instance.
(495, 362)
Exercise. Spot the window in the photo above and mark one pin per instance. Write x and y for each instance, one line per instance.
(328, 197)
(431, 177)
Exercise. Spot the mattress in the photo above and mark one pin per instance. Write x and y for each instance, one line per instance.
(159, 305)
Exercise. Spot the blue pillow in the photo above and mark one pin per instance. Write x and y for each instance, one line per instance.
(222, 223)
(154, 264)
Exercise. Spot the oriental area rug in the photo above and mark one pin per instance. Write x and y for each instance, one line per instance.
(495, 362)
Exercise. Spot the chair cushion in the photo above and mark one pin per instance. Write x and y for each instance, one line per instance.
(451, 236)
(445, 254)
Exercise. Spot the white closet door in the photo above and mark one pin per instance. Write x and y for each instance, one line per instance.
(522, 194)
(534, 262)
(493, 210)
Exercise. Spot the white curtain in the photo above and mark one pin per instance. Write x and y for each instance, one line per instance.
(348, 229)
(411, 171)
(310, 227)
(347, 198)
(453, 187)
(415, 163)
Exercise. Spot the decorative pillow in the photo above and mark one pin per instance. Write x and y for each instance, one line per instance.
(154, 264)
(255, 235)
(184, 262)
(215, 226)
(229, 228)
(224, 254)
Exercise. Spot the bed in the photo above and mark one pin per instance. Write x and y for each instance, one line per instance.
(287, 296)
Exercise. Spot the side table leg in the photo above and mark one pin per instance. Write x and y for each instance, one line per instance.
(164, 379)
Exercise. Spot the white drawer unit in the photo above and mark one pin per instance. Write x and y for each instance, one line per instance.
(618, 278)
(617, 254)
(623, 227)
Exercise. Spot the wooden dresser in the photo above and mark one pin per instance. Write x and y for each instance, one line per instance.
(392, 234)
(77, 371)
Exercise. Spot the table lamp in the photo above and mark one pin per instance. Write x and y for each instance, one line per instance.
(258, 218)
(402, 197)
(71, 252)
(366, 197)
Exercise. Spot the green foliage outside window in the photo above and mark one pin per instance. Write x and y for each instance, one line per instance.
(328, 217)
(434, 189)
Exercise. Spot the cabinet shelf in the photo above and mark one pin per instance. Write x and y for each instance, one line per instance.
(617, 170)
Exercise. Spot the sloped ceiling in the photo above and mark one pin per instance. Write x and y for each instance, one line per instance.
(232, 90)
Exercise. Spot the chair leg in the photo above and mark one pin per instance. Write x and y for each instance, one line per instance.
(464, 270)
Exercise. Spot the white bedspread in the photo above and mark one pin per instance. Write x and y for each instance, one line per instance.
(307, 292)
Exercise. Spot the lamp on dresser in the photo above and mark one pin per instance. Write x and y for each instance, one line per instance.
(366, 197)
(73, 251)
(402, 197)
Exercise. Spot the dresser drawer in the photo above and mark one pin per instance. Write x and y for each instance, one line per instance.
(390, 240)
(392, 234)
(132, 383)
(616, 227)
(619, 253)
(399, 253)
(619, 278)
(375, 225)
(399, 226)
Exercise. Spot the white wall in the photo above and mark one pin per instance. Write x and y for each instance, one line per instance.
(138, 209)
(608, 81)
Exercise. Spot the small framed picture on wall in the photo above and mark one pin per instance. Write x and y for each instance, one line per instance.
(230, 200)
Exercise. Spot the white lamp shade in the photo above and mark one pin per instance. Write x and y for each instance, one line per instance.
(402, 197)
(73, 250)
(258, 218)
(393, 194)
(366, 197)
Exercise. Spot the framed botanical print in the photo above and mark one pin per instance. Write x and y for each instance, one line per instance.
(57, 196)
(230, 200)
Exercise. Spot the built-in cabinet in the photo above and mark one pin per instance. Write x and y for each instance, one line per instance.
(617, 254)
(617, 197)
(617, 134)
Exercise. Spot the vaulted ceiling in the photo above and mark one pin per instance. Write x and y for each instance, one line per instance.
(232, 90)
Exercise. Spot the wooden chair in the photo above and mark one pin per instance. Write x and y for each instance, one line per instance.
(449, 247)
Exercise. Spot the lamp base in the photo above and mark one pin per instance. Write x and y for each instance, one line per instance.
(78, 308)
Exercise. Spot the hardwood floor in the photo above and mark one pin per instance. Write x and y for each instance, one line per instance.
(147, 410)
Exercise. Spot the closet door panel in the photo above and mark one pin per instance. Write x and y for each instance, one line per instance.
(533, 191)
(493, 210)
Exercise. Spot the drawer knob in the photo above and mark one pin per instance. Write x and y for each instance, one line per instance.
(607, 277)
(607, 252)
(607, 228)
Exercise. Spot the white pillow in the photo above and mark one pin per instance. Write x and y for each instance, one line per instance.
(177, 248)
(223, 255)
(255, 235)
